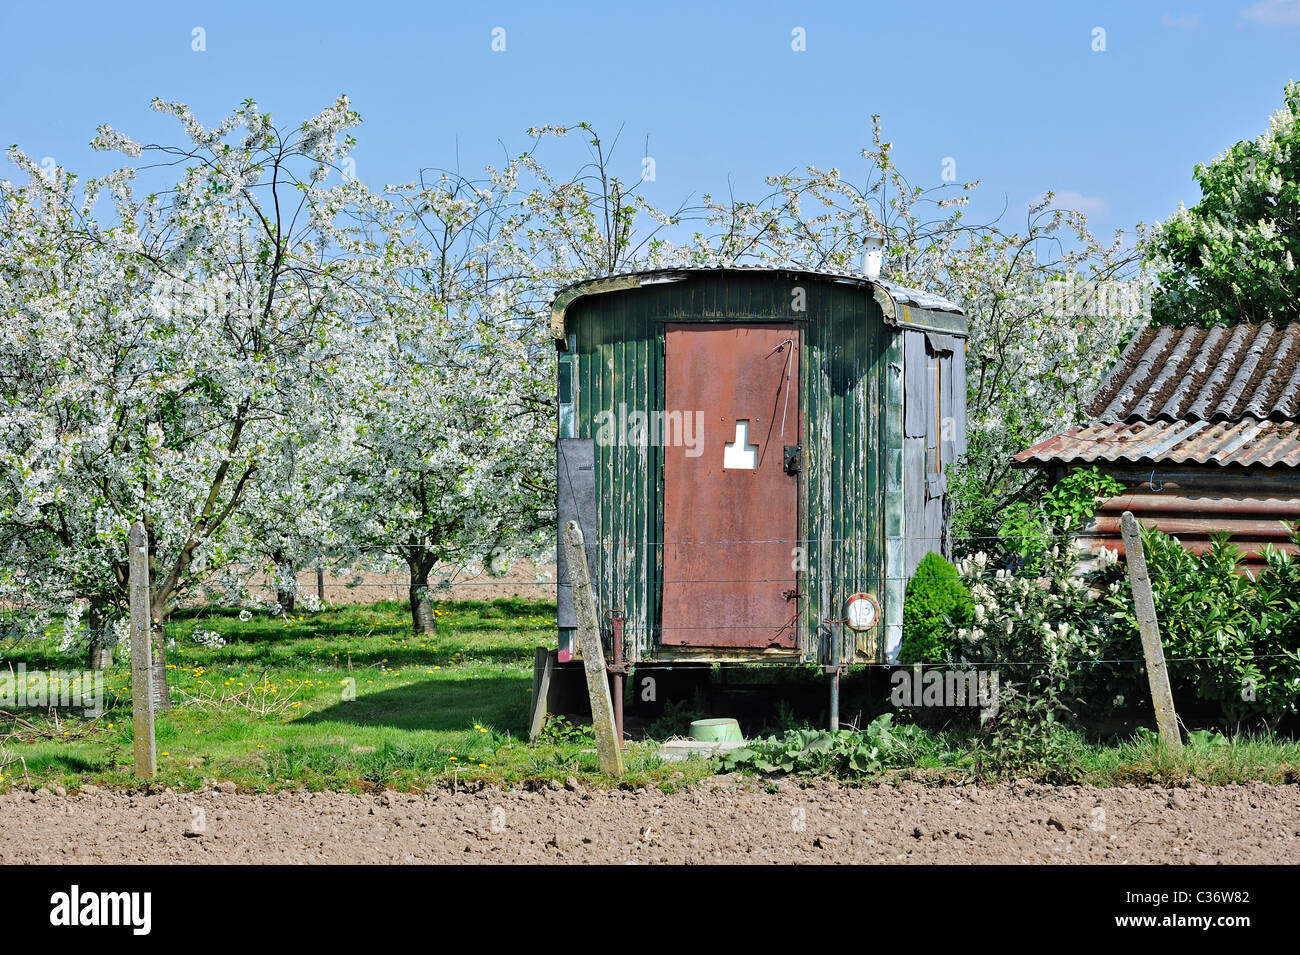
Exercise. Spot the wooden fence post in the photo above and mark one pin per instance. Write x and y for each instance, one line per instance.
(1144, 604)
(142, 678)
(543, 667)
(608, 746)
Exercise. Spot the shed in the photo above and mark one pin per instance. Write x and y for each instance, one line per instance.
(1202, 425)
(755, 456)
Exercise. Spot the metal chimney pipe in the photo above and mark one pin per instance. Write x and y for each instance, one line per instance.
(873, 254)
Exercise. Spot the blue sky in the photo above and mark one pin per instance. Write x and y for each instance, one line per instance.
(1014, 93)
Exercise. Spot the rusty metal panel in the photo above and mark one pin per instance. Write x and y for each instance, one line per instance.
(1193, 506)
(731, 511)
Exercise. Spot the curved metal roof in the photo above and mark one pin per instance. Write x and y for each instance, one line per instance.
(896, 300)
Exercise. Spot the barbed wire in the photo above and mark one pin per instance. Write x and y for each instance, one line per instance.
(932, 665)
(793, 578)
(1087, 537)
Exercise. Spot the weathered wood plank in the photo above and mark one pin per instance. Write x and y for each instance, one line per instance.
(142, 678)
(543, 668)
(609, 747)
(1162, 696)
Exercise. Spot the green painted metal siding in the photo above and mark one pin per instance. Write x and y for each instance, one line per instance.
(617, 350)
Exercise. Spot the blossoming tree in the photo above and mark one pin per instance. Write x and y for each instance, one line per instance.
(161, 358)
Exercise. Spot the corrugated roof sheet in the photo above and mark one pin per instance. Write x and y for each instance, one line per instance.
(1231, 373)
(1245, 442)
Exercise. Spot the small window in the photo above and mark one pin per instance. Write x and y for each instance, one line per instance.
(740, 455)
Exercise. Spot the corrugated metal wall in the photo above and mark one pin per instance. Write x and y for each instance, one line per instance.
(1192, 502)
(933, 437)
(616, 347)
(845, 391)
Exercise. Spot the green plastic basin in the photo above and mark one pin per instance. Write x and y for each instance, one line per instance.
(716, 731)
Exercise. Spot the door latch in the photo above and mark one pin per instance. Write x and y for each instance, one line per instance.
(793, 459)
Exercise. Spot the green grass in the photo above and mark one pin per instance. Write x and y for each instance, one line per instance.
(268, 710)
(1218, 761)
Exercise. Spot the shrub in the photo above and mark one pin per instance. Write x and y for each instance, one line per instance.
(1235, 638)
(936, 603)
(1026, 738)
(1052, 625)
(1050, 631)
(1029, 527)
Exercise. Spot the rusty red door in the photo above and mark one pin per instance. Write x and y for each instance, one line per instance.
(730, 502)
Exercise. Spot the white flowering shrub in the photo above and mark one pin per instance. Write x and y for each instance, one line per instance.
(121, 630)
(1232, 256)
(208, 639)
(1055, 632)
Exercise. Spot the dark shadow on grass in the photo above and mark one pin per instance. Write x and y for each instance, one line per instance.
(35, 658)
(66, 762)
(392, 657)
(500, 702)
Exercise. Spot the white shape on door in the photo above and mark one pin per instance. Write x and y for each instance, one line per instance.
(740, 454)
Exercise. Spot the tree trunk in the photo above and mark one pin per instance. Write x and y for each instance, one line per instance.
(99, 655)
(285, 594)
(421, 606)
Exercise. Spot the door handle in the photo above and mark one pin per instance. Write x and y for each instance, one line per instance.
(793, 459)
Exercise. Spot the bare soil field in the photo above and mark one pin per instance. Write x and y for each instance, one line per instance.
(722, 821)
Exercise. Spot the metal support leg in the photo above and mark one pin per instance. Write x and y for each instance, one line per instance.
(618, 670)
(835, 699)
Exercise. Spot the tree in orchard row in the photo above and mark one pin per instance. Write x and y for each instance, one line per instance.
(159, 362)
